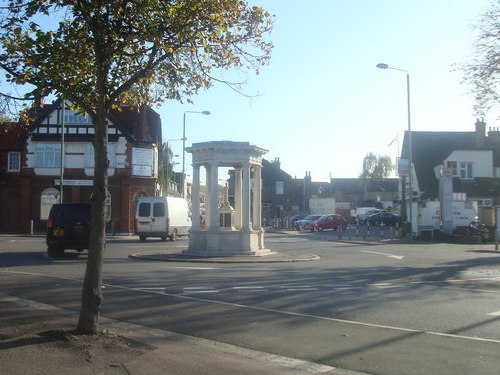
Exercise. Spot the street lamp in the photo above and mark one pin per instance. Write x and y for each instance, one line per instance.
(410, 156)
(184, 148)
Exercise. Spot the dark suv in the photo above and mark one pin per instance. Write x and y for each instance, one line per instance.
(68, 227)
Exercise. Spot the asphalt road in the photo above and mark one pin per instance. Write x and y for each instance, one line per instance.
(378, 307)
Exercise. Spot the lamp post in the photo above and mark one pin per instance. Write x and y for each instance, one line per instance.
(410, 153)
(184, 148)
(61, 180)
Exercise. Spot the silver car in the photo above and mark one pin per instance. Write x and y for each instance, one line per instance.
(301, 224)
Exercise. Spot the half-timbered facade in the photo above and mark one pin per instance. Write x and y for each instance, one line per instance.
(58, 130)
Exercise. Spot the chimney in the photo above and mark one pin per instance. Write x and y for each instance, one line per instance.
(480, 134)
(494, 135)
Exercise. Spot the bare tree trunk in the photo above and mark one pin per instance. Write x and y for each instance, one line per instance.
(91, 292)
(92, 284)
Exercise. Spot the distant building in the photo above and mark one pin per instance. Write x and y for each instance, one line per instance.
(470, 159)
(283, 195)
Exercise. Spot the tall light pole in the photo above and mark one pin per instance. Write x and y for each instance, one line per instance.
(61, 180)
(410, 153)
(184, 148)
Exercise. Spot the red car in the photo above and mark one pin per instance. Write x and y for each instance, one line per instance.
(332, 221)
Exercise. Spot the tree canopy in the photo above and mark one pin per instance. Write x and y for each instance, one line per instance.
(482, 72)
(376, 167)
(145, 51)
(100, 54)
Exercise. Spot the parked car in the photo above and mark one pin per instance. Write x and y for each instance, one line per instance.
(363, 212)
(383, 218)
(292, 219)
(68, 227)
(332, 221)
(301, 224)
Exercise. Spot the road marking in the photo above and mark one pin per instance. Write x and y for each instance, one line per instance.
(195, 268)
(197, 289)
(386, 285)
(250, 288)
(165, 335)
(399, 257)
(304, 315)
(496, 313)
(264, 309)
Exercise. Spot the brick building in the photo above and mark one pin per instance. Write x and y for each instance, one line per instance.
(30, 165)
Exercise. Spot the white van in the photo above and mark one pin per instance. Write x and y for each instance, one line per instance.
(162, 217)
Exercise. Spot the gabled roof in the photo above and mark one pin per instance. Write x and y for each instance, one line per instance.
(127, 119)
(272, 172)
(430, 149)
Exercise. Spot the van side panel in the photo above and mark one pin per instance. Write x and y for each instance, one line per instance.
(179, 215)
(161, 216)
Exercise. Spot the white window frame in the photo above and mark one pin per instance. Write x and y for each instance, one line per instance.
(48, 155)
(90, 156)
(466, 170)
(14, 161)
(76, 118)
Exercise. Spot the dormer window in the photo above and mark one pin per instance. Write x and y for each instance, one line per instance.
(466, 171)
(76, 118)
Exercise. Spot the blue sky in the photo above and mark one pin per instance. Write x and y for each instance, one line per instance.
(322, 104)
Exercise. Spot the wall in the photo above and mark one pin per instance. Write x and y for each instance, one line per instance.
(482, 161)
(322, 205)
(463, 213)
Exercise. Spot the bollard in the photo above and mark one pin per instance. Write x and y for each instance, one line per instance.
(31, 227)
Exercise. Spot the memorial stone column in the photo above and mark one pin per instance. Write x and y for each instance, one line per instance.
(213, 192)
(237, 198)
(246, 199)
(195, 198)
(257, 192)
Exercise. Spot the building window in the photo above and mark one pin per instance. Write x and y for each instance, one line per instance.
(90, 158)
(280, 188)
(48, 155)
(452, 165)
(466, 171)
(14, 161)
(71, 117)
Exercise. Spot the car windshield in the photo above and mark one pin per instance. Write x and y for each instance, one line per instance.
(309, 217)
